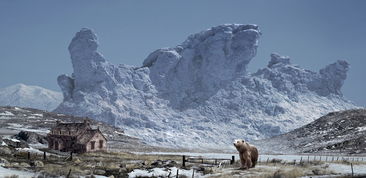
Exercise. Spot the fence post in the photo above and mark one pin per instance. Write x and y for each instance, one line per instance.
(28, 155)
(183, 161)
(352, 169)
(177, 173)
(192, 173)
(308, 158)
(44, 155)
(71, 156)
(68, 174)
(232, 160)
(300, 159)
(215, 161)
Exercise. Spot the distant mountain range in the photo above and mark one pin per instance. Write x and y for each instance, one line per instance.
(336, 132)
(30, 96)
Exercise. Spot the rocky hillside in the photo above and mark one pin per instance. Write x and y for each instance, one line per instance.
(199, 93)
(30, 96)
(13, 120)
(336, 132)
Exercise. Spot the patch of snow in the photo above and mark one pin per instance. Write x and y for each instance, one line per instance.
(162, 172)
(20, 127)
(5, 172)
(4, 118)
(13, 139)
(346, 169)
(119, 133)
(32, 150)
(15, 125)
(6, 113)
(3, 144)
(38, 145)
(361, 129)
(37, 115)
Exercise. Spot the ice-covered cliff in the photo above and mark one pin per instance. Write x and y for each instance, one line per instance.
(199, 94)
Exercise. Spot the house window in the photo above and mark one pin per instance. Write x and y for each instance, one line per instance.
(92, 145)
(100, 143)
(60, 132)
(56, 145)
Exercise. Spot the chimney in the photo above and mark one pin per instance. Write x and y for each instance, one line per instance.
(57, 122)
(86, 121)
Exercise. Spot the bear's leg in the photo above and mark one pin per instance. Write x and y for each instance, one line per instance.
(249, 162)
(242, 161)
(254, 163)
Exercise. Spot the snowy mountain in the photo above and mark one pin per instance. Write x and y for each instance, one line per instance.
(30, 96)
(199, 93)
(336, 132)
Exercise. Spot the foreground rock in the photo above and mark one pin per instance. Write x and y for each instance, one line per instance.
(199, 93)
(31, 137)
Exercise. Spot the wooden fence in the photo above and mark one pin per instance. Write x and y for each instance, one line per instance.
(202, 160)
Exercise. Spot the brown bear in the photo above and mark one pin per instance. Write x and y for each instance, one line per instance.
(248, 154)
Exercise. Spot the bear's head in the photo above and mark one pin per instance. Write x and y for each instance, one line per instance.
(240, 145)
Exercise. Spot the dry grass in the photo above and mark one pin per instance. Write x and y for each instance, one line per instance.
(278, 169)
(12, 176)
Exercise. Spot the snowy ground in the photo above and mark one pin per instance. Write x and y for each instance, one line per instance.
(329, 164)
(263, 158)
(4, 172)
(162, 172)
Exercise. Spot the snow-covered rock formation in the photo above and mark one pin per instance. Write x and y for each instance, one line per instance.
(199, 94)
(30, 96)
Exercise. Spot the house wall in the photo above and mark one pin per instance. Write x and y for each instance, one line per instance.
(96, 138)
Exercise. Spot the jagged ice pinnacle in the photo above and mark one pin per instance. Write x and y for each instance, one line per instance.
(199, 93)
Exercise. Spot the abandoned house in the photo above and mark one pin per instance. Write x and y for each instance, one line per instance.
(76, 137)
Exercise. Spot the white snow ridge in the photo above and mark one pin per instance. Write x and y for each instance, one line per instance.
(199, 94)
(30, 96)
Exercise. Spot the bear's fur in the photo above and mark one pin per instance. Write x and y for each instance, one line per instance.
(248, 154)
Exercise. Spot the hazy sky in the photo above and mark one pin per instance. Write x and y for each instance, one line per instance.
(34, 35)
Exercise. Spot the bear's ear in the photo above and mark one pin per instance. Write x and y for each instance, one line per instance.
(242, 141)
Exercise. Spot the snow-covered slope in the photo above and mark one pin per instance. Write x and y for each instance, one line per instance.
(30, 96)
(199, 94)
(336, 132)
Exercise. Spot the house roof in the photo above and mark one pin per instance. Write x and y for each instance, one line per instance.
(72, 126)
(87, 135)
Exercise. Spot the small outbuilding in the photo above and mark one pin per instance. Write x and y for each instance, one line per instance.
(76, 137)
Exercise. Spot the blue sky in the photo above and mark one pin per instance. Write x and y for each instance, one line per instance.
(34, 35)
